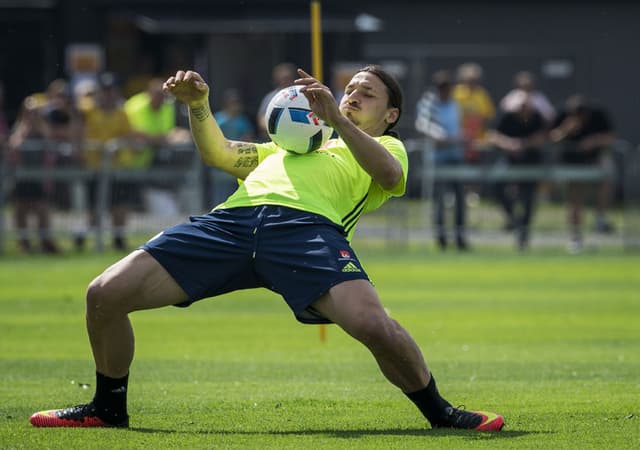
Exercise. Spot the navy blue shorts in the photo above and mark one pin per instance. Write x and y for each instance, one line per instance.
(296, 254)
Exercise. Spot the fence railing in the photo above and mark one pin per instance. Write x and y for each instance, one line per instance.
(181, 167)
(622, 172)
(176, 165)
(495, 169)
(631, 201)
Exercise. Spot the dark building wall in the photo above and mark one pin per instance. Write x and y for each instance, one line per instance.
(599, 38)
(28, 56)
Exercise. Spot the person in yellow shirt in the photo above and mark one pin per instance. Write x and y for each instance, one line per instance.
(84, 94)
(286, 228)
(107, 128)
(477, 109)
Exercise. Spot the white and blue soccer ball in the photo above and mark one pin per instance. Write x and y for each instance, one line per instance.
(292, 125)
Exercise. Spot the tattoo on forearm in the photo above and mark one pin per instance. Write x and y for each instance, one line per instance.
(246, 149)
(249, 152)
(201, 113)
(246, 161)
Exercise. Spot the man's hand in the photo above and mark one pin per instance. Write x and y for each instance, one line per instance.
(321, 100)
(504, 142)
(188, 87)
(567, 127)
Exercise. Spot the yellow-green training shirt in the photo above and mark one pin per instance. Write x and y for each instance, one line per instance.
(328, 182)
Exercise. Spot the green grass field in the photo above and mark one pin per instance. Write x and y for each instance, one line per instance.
(551, 341)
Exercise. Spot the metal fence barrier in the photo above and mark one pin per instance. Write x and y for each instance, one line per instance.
(631, 228)
(180, 166)
(496, 170)
(176, 165)
(623, 174)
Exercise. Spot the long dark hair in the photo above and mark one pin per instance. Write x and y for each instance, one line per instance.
(394, 92)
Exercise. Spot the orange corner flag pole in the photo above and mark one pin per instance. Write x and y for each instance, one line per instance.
(316, 69)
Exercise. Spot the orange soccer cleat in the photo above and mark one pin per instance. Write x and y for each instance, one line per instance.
(77, 416)
(470, 420)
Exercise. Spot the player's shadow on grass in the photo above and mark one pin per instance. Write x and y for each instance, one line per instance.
(353, 434)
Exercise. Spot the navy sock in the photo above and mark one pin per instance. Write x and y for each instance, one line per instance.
(111, 397)
(429, 402)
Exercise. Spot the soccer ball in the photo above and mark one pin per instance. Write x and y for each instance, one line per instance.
(292, 125)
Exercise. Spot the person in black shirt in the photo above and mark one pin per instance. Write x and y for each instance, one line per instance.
(586, 134)
(519, 135)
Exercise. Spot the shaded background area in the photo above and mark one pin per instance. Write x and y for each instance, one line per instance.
(571, 46)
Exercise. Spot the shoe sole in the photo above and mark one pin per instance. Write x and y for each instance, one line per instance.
(47, 419)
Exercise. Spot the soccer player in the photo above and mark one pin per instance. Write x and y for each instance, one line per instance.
(286, 228)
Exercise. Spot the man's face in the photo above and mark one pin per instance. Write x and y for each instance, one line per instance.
(365, 103)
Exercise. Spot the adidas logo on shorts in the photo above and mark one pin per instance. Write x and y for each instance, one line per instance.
(350, 267)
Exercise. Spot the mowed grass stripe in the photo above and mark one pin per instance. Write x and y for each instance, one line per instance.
(549, 340)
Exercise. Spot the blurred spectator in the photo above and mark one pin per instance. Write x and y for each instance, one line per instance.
(526, 81)
(438, 117)
(63, 134)
(586, 135)
(283, 75)
(4, 125)
(235, 125)
(519, 135)
(341, 74)
(4, 137)
(84, 93)
(152, 114)
(48, 120)
(477, 109)
(108, 134)
(232, 119)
